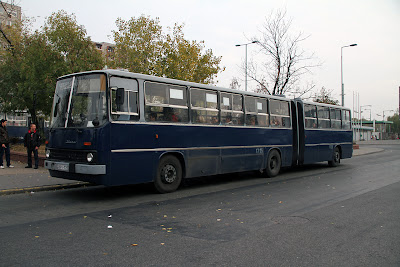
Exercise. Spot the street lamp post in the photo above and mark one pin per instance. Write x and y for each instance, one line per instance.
(383, 113)
(383, 128)
(383, 118)
(370, 113)
(341, 69)
(245, 85)
(361, 107)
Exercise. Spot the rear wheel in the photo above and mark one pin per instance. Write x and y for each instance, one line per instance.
(273, 164)
(335, 158)
(169, 175)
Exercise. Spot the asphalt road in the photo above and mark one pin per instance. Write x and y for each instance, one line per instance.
(309, 216)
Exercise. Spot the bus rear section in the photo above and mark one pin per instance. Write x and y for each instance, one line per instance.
(324, 133)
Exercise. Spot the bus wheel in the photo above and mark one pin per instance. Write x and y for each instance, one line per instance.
(273, 164)
(169, 175)
(335, 158)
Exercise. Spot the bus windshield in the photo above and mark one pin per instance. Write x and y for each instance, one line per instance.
(85, 106)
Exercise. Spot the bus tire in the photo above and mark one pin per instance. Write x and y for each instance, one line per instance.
(335, 158)
(274, 162)
(169, 175)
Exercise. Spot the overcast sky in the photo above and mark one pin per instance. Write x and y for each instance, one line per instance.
(371, 69)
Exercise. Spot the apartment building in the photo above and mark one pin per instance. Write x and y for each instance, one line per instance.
(107, 49)
(9, 14)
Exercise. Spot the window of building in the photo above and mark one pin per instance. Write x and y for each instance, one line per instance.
(204, 105)
(166, 102)
(129, 110)
(280, 115)
(231, 109)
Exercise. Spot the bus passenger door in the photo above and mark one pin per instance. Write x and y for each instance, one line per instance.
(295, 145)
(300, 133)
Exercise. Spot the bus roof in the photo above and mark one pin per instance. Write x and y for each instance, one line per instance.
(125, 73)
(324, 105)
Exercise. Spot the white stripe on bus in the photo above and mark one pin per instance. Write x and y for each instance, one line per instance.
(193, 148)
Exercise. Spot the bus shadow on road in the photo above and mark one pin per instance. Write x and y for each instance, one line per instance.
(105, 193)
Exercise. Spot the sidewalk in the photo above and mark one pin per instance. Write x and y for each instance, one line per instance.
(379, 142)
(363, 150)
(26, 180)
(21, 180)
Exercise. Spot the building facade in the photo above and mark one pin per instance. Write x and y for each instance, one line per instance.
(106, 49)
(380, 130)
(9, 14)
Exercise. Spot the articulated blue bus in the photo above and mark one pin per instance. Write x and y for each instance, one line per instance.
(114, 127)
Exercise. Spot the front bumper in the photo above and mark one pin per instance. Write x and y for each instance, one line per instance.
(75, 167)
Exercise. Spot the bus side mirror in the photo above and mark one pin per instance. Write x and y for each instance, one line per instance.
(119, 98)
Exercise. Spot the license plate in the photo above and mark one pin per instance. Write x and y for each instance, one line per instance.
(61, 167)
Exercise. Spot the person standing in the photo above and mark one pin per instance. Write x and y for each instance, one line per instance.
(5, 144)
(32, 143)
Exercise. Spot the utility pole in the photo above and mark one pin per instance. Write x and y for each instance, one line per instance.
(341, 69)
(245, 86)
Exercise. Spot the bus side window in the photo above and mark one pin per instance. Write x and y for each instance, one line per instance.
(256, 111)
(166, 103)
(336, 120)
(129, 109)
(251, 120)
(323, 117)
(280, 116)
(346, 120)
(310, 114)
(204, 105)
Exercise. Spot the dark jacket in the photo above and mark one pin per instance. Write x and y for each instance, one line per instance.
(4, 136)
(32, 140)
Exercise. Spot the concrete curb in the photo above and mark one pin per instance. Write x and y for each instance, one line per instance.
(371, 151)
(379, 142)
(43, 188)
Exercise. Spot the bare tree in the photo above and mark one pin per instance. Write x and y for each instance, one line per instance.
(325, 96)
(305, 91)
(284, 62)
(234, 84)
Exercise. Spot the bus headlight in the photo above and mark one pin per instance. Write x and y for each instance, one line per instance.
(89, 157)
(47, 153)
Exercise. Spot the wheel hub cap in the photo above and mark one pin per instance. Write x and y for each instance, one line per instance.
(169, 174)
(273, 163)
